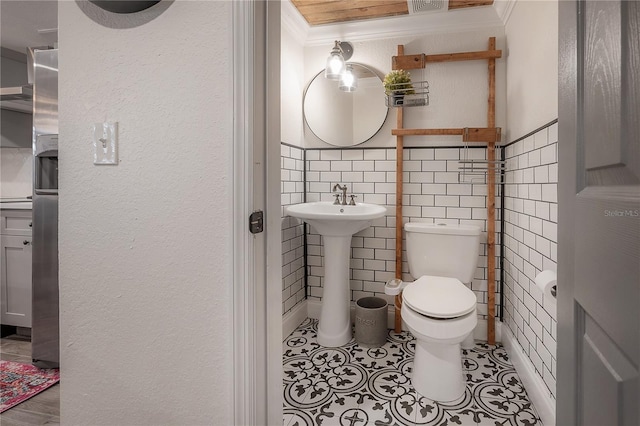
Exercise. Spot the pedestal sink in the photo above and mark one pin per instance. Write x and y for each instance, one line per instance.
(336, 224)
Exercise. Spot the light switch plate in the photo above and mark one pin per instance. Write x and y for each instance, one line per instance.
(105, 143)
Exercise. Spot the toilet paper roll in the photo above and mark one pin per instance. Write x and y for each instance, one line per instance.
(546, 282)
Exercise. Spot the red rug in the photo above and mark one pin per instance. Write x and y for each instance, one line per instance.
(19, 382)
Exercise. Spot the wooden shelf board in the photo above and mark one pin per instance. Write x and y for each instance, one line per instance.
(471, 134)
(410, 62)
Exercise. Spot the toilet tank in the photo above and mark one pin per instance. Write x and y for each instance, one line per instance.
(442, 250)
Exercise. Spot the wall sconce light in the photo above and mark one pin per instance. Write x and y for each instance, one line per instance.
(340, 53)
(348, 81)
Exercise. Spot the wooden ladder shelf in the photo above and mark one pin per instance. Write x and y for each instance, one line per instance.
(489, 135)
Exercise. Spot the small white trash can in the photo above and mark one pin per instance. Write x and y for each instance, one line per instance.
(371, 321)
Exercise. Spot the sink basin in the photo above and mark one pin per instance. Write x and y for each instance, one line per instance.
(336, 224)
(336, 220)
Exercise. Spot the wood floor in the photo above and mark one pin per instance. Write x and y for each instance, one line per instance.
(42, 409)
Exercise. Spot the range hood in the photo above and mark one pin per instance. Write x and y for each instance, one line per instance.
(17, 98)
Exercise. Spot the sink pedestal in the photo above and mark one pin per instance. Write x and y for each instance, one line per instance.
(336, 223)
(334, 325)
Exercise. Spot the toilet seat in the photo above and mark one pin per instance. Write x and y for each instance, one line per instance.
(439, 297)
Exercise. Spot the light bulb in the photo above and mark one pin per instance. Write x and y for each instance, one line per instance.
(335, 64)
(348, 81)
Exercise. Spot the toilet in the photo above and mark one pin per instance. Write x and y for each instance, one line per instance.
(438, 309)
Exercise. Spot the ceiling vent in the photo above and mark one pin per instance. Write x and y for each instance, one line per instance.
(426, 6)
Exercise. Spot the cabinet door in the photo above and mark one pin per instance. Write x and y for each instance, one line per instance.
(16, 222)
(15, 280)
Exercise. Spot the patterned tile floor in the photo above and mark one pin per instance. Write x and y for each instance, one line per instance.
(355, 386)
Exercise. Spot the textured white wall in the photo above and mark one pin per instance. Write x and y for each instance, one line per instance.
(291, 87)
(458, 90)
(532, 66)
(145, 265)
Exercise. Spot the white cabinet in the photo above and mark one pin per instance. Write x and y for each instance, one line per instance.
(15, 268)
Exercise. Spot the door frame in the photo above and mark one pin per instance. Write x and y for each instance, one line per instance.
(567, 130)
(257, 319)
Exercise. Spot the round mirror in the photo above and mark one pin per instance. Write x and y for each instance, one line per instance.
(345, 118)
(120, 6)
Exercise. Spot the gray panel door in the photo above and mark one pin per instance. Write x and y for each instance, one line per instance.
(599, 214)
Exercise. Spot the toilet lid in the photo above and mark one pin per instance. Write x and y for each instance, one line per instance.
(439, 297)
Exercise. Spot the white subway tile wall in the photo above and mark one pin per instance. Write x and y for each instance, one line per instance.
(530, 231)
(432, 193)
(292, 192)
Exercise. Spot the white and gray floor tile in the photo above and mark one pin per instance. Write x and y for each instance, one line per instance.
(355, 386)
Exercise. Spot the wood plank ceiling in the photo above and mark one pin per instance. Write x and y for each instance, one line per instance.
(318, 12)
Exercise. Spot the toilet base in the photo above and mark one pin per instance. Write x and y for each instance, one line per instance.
(469, 342)
(437, 371)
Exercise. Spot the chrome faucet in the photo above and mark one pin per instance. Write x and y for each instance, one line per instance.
(344, 194)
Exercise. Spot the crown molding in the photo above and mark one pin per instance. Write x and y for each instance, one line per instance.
(503, 9)
(407, 25)
(293, 21)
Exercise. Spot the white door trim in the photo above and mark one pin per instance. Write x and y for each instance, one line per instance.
(257, 319)
(273, 215)
(246, 392)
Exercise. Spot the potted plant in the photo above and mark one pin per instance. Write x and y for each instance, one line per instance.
(397, 83)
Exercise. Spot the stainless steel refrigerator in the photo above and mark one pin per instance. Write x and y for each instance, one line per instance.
(45, 335)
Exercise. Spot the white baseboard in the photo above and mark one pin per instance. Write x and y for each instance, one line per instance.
(294, 318)
(540, 396)
(480, 332)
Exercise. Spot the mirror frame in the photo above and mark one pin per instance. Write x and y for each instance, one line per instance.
(304, 115)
